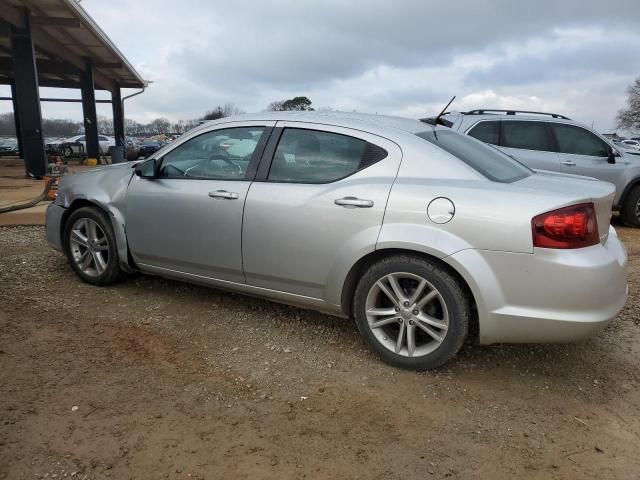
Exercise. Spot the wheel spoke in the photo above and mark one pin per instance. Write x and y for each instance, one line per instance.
(397, 289)
(384, 321)
(418, 291)
(92, 231)
(79, 238)
(429, 320)
(424, 301)
(387, 292)
(86, 261)
(101, 265)
(381, 312)
(400, 340)
(101, 245)
(411, 339)
(430, 331)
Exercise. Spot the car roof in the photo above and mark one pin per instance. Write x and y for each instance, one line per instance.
(361, 121)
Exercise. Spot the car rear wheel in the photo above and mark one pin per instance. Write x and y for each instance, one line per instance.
(90, 247)
(630, 213)
(413, 313)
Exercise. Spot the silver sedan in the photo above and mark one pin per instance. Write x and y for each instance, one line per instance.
(424, 236)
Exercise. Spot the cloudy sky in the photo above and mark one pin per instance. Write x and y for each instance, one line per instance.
(404, 57)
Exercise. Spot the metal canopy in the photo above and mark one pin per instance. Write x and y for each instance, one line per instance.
(65, 38)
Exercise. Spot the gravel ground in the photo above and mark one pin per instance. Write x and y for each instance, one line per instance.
(157, 379)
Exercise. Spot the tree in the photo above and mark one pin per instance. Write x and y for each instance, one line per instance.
(160, 125)
(295, 103)
(222, 111)
(275, 106)
(629, 118)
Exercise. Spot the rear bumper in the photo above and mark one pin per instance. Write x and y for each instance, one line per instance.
(549, 296)
(53, 222)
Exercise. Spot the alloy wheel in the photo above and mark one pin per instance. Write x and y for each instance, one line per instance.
(89, 247)
(407, 314)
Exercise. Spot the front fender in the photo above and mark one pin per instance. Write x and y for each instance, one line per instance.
(105, 187)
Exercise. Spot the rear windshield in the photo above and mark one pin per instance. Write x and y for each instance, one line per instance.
(487, 160)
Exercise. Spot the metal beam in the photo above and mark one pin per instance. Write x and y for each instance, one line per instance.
(118, 117)
(16, 119)
(27, 99)
(56, 21)
(89, 112)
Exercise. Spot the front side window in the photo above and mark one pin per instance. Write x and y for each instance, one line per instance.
(578, 141)
(526, 135)
(487, 132)
(312, 156)
(221, 154)
(487, 160)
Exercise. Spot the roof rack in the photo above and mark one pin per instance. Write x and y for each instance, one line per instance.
(513, 112)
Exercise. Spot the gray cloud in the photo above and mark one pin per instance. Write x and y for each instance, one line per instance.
(405, 57)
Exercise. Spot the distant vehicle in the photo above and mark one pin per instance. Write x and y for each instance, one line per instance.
(8, 147)
(149, 147)
(420, 233)
(550, 141)
(74, 146)
(635, 144)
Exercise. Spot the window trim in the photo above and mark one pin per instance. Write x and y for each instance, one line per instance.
(267, 161)
(252, 168)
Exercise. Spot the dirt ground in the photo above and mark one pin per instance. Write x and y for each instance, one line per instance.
(158, 379)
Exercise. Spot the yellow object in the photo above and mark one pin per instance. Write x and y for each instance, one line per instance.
(92, 161)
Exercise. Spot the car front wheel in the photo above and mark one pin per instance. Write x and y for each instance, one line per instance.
(90, 246)
(412, 312)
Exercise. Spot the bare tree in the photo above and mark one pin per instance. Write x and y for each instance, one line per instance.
(629, 118)
(275, 106)
(160, 125)
(222, 111)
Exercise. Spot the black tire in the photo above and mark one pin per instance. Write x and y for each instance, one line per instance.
(67, 152)
(112, 271)
(629, 206)
(451, 292)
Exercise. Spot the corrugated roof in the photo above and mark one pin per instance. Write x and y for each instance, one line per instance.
(64, 36)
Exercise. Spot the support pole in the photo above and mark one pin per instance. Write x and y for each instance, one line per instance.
(118, 117)
(89, 113)
(16, 118)
(27, 99)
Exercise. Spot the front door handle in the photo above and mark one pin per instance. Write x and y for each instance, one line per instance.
(224, 195)
(569, 163)
(353, 202)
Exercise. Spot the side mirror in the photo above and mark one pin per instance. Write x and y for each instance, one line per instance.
(611, 157)
(147, 169)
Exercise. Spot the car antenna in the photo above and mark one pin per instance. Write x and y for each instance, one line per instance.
(437, 119)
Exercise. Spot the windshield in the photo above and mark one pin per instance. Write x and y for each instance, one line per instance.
(485, 159)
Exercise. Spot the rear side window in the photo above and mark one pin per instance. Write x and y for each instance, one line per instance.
(483, 158)
(578, 141)
(526, 135)
(313, 156)
(487, 132)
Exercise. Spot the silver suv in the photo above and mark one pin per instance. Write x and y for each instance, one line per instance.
(549, 141)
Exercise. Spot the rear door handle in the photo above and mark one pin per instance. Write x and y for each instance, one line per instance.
(353, 202)
(569, 163)
(224, 195)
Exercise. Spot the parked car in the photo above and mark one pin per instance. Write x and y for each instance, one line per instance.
(635, 144)
(420, 233)
(550, 141)
(76, 146)
(149, 147)
(8, 147)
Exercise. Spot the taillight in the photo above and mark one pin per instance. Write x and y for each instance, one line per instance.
(568, 227)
